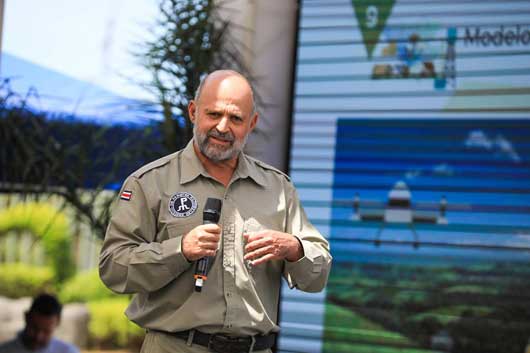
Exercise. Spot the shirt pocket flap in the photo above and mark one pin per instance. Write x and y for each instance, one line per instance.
(180, 228)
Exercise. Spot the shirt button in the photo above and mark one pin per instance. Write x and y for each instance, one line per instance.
(227, 294)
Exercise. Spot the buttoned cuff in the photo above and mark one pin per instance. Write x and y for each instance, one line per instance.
(173, 257)
(305, 269)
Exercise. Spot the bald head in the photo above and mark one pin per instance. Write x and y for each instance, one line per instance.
(216, 77)
(223, 115)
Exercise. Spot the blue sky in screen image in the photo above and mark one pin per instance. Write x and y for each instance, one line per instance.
(481, 167)
(78, 54)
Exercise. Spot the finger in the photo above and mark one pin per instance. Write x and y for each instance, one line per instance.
(255, 235)
(210, 228)
(263, 259)
(208, 246)
(208, 237)
(209, 253)
(259, 252)
(248, 238)
(256, 244)
(198, 253)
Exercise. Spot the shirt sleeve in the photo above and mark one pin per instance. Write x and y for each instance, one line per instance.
(131, 261)
(310, 273)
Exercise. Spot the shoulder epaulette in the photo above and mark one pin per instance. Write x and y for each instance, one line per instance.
(268, 167)
(155, 164)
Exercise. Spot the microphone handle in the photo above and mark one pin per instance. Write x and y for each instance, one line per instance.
(201, 268)
(202, 265)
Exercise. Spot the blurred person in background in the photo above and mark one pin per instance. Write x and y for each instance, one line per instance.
(42, 318)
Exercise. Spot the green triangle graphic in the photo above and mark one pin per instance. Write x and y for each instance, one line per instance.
(371, 16)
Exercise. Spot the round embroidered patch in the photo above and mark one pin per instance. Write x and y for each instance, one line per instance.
(182, 204)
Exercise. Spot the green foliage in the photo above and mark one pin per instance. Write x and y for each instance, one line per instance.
(49, 225)
(482, 307)
(84, 287)
(472, 289)
(109, 327)
(20, 280)
(351, 332)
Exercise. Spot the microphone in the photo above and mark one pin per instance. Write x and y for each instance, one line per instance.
(210, 215)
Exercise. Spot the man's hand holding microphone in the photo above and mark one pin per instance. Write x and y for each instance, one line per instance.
(201, 241)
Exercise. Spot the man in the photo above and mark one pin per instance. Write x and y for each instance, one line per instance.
(42, 319)
(156, 235)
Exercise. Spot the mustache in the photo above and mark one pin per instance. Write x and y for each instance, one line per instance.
(227, 136)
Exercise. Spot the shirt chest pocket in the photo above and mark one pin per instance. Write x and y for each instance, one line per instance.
(176, 229)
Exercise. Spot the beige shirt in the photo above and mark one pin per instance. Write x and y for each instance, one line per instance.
(161, 202)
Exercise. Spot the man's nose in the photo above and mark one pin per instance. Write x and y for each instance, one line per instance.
(222, 126)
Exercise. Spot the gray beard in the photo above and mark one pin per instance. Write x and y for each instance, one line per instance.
(214, 153)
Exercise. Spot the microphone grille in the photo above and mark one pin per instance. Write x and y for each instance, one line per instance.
(213, 205)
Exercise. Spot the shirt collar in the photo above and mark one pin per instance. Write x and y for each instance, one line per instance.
(191, 167)
(247, 168)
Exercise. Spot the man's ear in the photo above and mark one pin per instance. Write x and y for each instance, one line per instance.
(254, 121)
(192, 110)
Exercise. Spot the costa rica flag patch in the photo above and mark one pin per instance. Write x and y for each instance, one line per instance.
(126, 195)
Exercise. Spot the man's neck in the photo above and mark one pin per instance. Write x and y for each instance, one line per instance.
(220, 171)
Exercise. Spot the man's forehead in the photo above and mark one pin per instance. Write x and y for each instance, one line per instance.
(223, 105)
(227, 94)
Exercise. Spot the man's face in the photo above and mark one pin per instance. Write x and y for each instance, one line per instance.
(39, 330)
(222, 117)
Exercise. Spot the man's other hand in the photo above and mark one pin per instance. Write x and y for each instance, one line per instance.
(269, 245)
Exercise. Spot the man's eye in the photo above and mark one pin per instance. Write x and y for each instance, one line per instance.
(237, 119)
